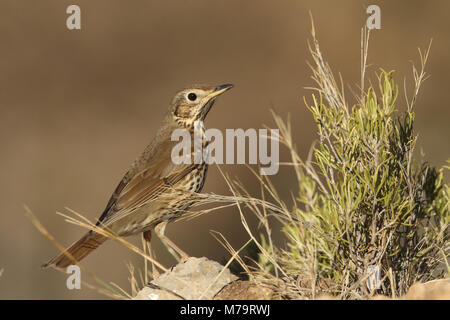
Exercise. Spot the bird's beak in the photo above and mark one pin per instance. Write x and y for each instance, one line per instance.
(219, 90)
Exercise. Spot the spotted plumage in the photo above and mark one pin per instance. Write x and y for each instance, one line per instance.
(154, 190)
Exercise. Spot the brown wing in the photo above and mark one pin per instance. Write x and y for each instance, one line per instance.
(150, 175)
(143, 191)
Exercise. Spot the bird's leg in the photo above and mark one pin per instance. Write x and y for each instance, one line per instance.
(148, 237)
(170, 246)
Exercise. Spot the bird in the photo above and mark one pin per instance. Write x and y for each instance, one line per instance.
(155, 190)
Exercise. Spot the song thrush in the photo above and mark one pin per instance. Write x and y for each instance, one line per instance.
(155, 190)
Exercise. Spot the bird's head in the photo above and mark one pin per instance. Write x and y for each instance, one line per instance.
(192, 104)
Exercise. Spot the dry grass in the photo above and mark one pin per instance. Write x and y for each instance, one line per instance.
(138, 279)
(362, 201)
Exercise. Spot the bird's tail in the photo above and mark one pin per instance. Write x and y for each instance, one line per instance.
(77, 251)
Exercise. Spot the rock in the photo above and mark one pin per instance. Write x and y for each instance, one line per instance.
(193, 279)
(431, 290)
(244, 290)
(196, 279)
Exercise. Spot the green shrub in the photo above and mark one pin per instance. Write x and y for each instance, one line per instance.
(363, 202)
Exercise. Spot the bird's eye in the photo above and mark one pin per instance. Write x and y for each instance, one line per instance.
(192, 96)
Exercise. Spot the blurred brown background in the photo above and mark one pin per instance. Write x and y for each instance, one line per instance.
(76, 107)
